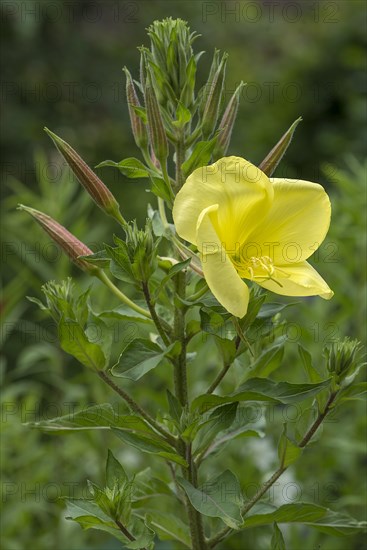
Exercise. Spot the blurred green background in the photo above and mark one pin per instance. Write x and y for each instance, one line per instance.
(62, 66)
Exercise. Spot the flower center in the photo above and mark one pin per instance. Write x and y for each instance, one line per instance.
(255, 268)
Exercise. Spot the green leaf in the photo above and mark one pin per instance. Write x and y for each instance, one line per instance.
(312, 373)
(322, 519)
(115, 474)
(219, 497)
(267, 362)
(38, 302)
(175, 407)
(200, 156)
(227, 349)
(120, 265)
(288, 450)
(183, 116)
(220, 419)
(267, 311)
(97, 417)
(150, 444)
(141, 112)
(130, 167)
(74, 341)
(353, 392)
(168, 526)
(160, 189)
(176, 268)
(227, 436)
(124, 313)
(277, 540)
(252, 311)
(99, 259)
(262, 389)
(79, 507)
(92, 522)
(139, 357)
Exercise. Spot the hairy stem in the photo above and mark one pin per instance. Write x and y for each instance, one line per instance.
(126, 532)
(180, 159)
(180, 375)
(135, 407)
(154, 315)
(181, 391)
(227, 531)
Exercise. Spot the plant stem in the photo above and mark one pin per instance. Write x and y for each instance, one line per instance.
(134, 406)
(180, 159)
(320, 417)
(197, 295)
(103, 277)
(154, 315)
(180, 376)
(224, 533)
(181, 391)
(126, 532)
(162, 212)
(223, 372)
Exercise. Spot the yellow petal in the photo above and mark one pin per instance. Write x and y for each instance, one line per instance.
(297, 280)
(219, 272)
(295, 226)
(242, 191)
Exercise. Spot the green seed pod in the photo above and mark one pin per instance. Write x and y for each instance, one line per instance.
(101, 195)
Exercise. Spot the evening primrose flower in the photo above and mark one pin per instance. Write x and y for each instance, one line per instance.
(247, 226)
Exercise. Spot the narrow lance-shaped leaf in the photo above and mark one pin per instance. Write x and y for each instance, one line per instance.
(101, 195)
(271, 161)
(66, 240)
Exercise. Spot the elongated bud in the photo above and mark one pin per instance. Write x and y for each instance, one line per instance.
(137, 125)
(157, 133)
(226, 124)
(211, 110)
(66, 240)
(271, 161)
(204, 90)
(101, 195)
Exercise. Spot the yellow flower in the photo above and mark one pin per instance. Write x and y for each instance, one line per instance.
(247, 226)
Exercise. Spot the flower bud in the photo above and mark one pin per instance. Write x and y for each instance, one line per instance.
(141, 249)
(101, 195)
(272, 160)
(341, 357)
(157, 133)
(212, 103)
(66, 240)
(137, 125)
(226, 124)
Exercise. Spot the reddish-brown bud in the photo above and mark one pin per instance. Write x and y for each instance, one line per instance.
(138, 127)
(101, 195)
(66, 240)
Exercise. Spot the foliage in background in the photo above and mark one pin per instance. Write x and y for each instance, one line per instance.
(322, 53)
